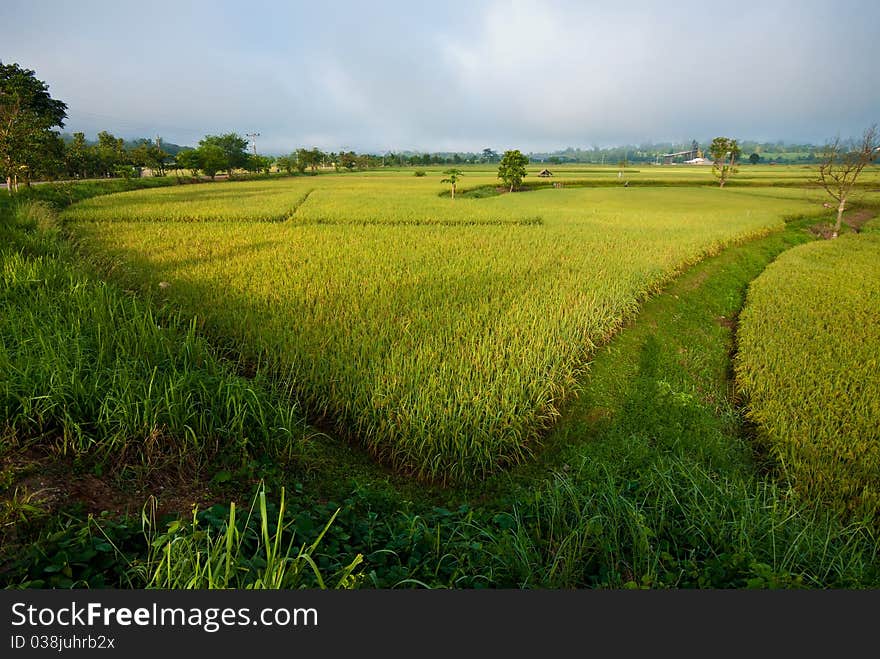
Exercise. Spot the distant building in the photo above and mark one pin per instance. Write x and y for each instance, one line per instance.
(692, 154)
(545, 173)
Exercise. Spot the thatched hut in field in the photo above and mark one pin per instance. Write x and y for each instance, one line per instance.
(545, 173)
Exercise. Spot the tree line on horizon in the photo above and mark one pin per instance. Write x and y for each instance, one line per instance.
(75, 156)
(31, 148)
(779, 152)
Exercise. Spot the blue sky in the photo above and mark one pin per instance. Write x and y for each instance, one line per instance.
(455, 75)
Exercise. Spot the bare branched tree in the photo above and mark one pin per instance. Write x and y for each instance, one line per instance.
(842, 163)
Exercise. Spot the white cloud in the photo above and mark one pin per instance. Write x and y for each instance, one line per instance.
(462, 75)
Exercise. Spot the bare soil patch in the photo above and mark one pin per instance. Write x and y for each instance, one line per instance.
(53, 484)
(857, 219)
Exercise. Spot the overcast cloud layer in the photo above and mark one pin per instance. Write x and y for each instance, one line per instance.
(455, 75)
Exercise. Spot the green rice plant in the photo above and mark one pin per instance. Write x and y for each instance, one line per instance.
(808, 364)
(380, 204)
(326, 200)
(250, 200)
(447, 350)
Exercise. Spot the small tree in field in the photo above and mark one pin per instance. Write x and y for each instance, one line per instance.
(452, 176)
(842, 163)
(512, 169)
(724, 151)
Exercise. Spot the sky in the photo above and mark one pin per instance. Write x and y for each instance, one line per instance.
(454, 76)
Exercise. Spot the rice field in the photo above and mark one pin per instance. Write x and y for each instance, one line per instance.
(809, 363)
(446, 336)
(194, 203)
(399, 198)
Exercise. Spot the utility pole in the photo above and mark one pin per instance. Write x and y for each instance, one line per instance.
(253, 138)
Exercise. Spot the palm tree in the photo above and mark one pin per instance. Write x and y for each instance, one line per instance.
(452, 176)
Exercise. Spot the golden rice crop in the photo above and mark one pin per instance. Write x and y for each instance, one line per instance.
(446, 349)
(809, 363)
(251, 200)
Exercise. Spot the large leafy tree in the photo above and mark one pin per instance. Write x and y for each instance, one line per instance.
(512, 168)
(111, 152)
(311, 158)
(234, 148)
(81, 159)
(27, 115)
(302, 160)
(724, 152)
(148, 154)
(212, 159)
(259, 164)
(287, 163)
(45, 158)
(189, 159)
(348, 159)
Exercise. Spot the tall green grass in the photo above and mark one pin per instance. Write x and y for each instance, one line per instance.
(260, 546)
(90, 370)
(675, 524)
(257, 551)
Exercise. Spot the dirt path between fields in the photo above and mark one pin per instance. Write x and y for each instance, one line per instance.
(857, 219)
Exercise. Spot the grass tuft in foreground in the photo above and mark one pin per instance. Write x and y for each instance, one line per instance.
(254, 551)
